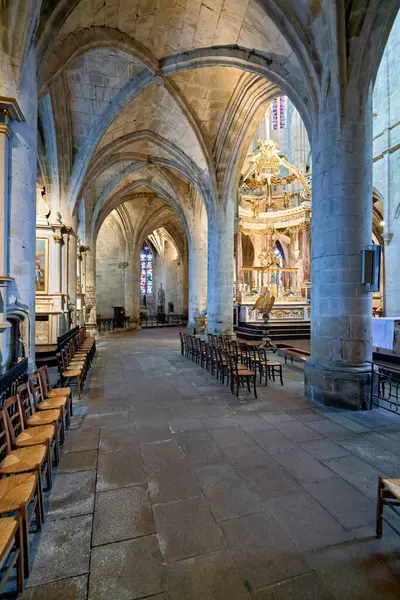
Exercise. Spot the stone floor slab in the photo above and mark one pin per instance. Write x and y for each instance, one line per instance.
(74, 588)
(304, 587)
(126, 570)
(212, 576)
(303, 467)
(357, 472)
(331, 430)
(355, 571)
(230, 436)
(173, 481)
(271, 480)
(307, 523)
(200, 448)
(324, 449)
(262, 550)
(82, 439)
(72, 494)
(77, 461)
(297, 432)
(186, 528)
(274, 442)
(348, 505)
(228, 494)
(119, 469)
(249, 455)
(63, 551)
(122, 514)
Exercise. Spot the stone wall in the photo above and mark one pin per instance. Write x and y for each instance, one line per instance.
(110, 278)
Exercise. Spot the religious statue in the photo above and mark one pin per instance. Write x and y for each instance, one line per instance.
(264, 304)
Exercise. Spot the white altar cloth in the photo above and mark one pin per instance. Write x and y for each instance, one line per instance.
(383, 333)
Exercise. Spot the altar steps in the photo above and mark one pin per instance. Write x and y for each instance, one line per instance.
(277, 330)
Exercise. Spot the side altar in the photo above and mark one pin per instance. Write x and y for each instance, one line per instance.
(272, 250)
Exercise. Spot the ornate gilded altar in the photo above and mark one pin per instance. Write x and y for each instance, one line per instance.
(273, 236)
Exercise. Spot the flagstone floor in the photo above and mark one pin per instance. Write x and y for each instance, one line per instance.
(170, 488)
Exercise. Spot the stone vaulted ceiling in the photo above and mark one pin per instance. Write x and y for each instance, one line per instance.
(163, 96)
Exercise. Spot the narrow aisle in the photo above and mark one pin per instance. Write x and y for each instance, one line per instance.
(170, 488)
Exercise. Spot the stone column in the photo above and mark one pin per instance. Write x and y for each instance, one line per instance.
(239, 260)
(220, 268)
(337, 373)
(5, 135)
(90, 289)
(198, 269)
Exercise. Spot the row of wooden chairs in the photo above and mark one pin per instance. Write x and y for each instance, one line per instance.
(251, 357)
(32, 428)
(74, 360)
(223, 365)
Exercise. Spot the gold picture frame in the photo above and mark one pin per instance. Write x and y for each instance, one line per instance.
(42, 265)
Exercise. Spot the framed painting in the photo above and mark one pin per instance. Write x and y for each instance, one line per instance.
(42, 265)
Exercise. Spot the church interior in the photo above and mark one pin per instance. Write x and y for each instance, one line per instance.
(200, 253)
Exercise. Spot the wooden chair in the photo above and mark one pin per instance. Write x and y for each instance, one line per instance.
(223, 365)
(55, 400)
(388, 495)
(268, 368)
(22, 437)
(20, 494)
(182, 343)
(24, 460)
(11, 551)
(60, 404)
(240, 375)
(68, 375)
(35, 418)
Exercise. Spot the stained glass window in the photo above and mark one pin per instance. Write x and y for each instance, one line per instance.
(146, 271)
(279, 113)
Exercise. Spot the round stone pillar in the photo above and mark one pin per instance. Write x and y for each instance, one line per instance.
(337, 373)
(220, 268)
(90, 289)
(198, 269)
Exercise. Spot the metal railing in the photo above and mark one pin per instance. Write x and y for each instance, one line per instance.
(9, 382)
(385, 387)
(161, 320)
(109, 323)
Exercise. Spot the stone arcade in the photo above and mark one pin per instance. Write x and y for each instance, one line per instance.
(171, 161)
(139, 123)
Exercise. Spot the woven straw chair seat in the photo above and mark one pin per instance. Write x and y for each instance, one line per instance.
(51, 403)
(35, 435)
(8, 528)
(23, 460)
(56, 392)
(45, 417)
(393, 485)
(16, 491)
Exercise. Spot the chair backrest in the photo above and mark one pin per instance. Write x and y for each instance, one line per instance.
(27, 401)
(5, 442)
(13, 411)
(60, 362)
(35, 386)
(252, 352)
(262, 354)
(45, 377)
(210, 338)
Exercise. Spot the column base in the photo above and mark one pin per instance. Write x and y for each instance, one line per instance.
(338, 385)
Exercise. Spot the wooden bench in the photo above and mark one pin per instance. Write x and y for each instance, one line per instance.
(300, 355)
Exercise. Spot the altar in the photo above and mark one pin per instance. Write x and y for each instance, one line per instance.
(272, 250)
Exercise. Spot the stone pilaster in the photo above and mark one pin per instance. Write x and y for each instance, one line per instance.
(9, 111)
(90, 288)
(338, 373)
(198, 271)
(220, 268)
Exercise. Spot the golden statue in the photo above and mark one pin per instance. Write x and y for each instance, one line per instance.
(264, 303)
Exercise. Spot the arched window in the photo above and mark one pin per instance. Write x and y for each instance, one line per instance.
(278, 252)
(279, 113)
(146, 271)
